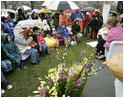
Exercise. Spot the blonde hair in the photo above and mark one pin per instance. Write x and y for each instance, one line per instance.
(112, 21)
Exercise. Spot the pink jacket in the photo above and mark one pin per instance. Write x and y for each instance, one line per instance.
(40, 40)
(114, 34)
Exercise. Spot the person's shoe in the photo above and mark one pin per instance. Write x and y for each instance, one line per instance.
(11, 71)
(25, 67)
(2, 91)
(48, 54)
(18, 69)
(101, 57)
(33, 63)
(9, 86)
(8, 73)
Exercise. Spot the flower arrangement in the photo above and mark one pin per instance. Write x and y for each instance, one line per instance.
(67, 80)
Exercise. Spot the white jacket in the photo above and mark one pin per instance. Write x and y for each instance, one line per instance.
(45, 26)
(22, 44)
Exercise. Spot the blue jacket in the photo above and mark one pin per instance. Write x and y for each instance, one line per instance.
(3, 26)
(76, 15)
(12, 24)
(64, 32)
(8, 30)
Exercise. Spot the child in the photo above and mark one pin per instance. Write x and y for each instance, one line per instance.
(76, 31)
(64, 34)
(29, 33)
(7, 28)
(11, 51)
(46, 28)
(11, 23)
(43, 47)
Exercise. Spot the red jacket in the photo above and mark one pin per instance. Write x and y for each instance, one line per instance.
(86, 19)
(40, 40)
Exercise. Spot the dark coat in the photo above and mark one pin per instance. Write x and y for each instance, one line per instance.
(94, 23)
(75, 28)
(56, 19)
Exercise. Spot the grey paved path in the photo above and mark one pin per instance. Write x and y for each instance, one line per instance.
(100, 85)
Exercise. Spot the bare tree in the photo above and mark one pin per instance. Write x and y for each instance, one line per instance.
(5, 5)
(32, 4)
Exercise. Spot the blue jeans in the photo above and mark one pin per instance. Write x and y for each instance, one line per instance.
(6, 65)
(4, 82)
(45, 49)
(34, 54)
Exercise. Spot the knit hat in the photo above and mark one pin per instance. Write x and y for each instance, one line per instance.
(35, 28)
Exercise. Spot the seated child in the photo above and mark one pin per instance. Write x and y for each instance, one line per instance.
(64, 34)
(11, 51)
(76, 31)
(33, 44)
(46, 28)
(37, 37)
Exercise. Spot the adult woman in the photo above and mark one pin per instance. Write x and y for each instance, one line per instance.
(24, 47)
(115, 33)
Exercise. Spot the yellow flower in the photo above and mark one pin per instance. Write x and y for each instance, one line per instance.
(54, 93)
(85, 60)
(39, 88)
(66, 69)
(51, 70)
(48, 87)
(94, 71)
(42, 82)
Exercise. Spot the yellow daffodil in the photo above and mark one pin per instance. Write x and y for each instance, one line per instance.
(51, 70)
(39, 88)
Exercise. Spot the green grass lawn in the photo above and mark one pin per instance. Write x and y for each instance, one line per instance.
(26, 81)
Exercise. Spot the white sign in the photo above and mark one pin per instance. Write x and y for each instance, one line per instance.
(106, 10)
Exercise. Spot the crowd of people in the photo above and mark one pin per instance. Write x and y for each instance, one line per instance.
(71, 28)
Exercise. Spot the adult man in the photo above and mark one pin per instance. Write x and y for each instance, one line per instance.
(62, 18)
(77, 16)
(96, 22)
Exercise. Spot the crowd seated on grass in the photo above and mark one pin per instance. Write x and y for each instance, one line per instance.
(65, 30)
